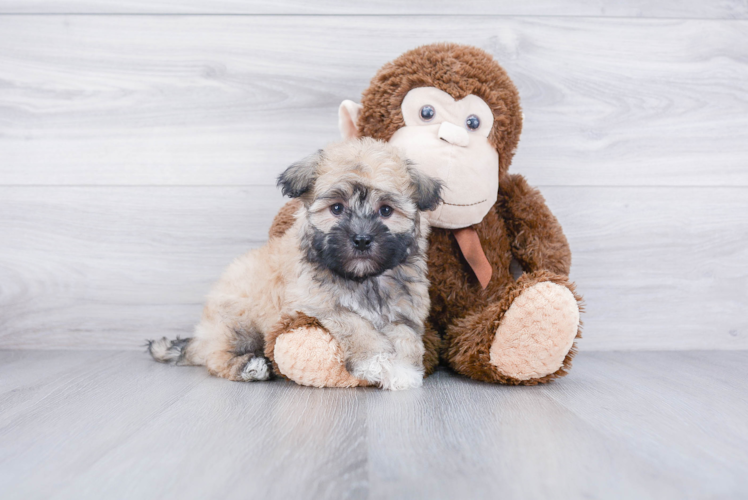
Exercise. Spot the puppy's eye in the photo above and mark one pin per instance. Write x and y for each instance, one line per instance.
(427, 113)
(337, 209)
(472, 122)
(385, 211)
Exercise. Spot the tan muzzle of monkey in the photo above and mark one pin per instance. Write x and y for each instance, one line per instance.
(453, 134)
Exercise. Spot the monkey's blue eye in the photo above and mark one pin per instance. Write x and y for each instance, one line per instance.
(337, 209)
(385, 211)
(427, 112)
(472, 122)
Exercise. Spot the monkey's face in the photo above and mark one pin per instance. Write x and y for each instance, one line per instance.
(448, 139)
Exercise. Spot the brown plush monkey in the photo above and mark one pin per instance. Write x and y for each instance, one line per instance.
(456, 114)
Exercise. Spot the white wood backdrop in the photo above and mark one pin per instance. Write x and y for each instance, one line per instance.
(140, 140)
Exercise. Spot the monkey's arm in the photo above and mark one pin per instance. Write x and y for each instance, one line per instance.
(537, 240)
(284, 219)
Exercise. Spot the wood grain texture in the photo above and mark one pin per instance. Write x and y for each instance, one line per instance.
(729, 9)
(95, 266)
(660, 268)
(231, 100)
(623, 425)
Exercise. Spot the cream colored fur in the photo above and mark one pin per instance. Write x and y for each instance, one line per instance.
(274, 281)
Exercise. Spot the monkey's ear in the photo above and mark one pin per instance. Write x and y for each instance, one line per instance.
(299, 177)
(347, 117)
(427, 190)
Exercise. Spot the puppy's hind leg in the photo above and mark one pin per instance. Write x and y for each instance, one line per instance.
(232, 353)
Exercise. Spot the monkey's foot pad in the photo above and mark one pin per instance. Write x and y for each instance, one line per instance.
(310, 356)
(536, 332)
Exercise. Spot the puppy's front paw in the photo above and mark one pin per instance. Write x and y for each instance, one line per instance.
(371, 369)
(401, 376)
(389, 375)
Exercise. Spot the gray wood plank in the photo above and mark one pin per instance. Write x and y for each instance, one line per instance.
(117, 420)
(664, 394)
(660, 268)
(275, 440)
(113, 266)
(621, 425)
(484, 441)
(212, 100)
(87, 408)
(607, 8)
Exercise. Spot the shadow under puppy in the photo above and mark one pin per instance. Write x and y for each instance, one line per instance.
(354, 260)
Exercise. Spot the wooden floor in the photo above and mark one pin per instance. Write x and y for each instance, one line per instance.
(107, 424)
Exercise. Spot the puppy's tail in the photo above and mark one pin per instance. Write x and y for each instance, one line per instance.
(173, 352)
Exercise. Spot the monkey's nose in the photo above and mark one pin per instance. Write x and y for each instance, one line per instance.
(362, 241)
(453, 134)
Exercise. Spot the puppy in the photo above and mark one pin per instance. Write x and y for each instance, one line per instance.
(355, 259)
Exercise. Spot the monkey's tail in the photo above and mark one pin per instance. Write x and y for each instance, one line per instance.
(173, 352)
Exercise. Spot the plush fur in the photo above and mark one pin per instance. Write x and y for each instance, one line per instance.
(351, 261)
(466, 319)
(305, 337)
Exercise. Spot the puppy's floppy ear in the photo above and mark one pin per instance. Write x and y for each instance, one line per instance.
(427, 190)
(299, 177)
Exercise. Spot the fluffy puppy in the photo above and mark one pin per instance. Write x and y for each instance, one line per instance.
(355, 259)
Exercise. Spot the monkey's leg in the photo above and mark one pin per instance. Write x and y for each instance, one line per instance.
(525, 339)
(303, 351)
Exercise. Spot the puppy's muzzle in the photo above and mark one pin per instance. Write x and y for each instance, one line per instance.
(362, 242)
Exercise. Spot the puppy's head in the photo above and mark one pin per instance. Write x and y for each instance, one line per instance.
(362, 201)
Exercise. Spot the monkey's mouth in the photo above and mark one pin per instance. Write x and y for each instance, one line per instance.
(465, 204)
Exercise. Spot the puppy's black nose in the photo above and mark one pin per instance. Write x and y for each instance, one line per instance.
(362, 241)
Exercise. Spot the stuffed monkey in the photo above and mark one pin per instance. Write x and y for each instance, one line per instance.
(455, 113)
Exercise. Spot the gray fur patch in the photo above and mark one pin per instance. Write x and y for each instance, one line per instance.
(299, 177)
(256, 369)
(168, 351)
(248, 340)
(427, 190)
